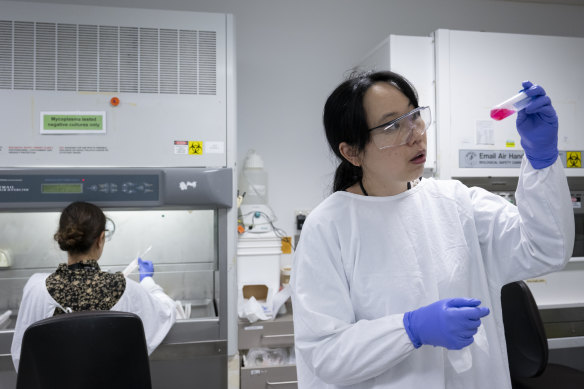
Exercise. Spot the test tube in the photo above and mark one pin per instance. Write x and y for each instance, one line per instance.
(510, 106)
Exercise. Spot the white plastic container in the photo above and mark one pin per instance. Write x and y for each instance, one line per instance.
(254, 180)
(285, 275)
(258, 275)
(258, 266)
(259, 243)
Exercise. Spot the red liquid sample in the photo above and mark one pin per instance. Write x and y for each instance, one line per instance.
(501, 113)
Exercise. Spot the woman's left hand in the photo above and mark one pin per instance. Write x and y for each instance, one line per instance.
(146, 268)
(538, 126)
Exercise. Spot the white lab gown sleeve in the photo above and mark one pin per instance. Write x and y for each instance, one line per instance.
(156, 309)
(36, 305)
(338, 349)
(529, 240)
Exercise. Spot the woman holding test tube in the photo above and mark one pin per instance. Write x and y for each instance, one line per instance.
(397, 278)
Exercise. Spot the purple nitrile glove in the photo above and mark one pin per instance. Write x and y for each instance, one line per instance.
(537, 124)
(146, 268)
(450, 323)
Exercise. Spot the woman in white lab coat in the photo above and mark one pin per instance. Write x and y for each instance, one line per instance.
(397, 278)
(80, 285)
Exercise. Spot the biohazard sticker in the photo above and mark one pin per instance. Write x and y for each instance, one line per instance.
(573, 159)
(195, 147)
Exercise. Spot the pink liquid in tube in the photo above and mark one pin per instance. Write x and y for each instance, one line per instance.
(510, 106)
(501, 113)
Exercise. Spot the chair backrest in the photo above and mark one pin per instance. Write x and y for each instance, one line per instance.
(90, 349)
(527, 348)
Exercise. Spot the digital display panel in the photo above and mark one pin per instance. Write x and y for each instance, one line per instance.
(62, 188)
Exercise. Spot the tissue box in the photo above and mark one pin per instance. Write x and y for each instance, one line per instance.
(258, 275)
(258, 268)
(258, 263)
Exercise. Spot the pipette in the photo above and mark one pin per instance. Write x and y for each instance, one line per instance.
(4, 318)
(134, 264)
(510, 106)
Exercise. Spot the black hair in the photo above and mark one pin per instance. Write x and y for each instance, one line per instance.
(345, 120)
(80, 225)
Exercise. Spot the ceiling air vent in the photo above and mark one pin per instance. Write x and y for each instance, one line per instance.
(5, 55)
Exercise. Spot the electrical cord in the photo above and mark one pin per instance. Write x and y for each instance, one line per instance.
(280, 233)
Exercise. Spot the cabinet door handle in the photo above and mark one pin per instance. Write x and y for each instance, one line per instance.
(269, 383)
(277, 336)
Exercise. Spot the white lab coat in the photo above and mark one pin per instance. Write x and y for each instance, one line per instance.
(362, 262)
(146, 299)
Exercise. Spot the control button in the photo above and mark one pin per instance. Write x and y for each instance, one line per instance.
(105, 188)
(128, 187)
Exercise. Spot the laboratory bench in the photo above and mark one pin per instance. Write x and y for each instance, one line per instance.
(560, 299)
(564, 328)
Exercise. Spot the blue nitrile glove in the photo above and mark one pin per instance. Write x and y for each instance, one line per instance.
(449, 323)
(538, 126)
(146, 268)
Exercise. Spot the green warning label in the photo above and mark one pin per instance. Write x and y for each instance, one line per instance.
(72, 122)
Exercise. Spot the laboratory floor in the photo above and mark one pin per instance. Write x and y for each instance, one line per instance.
(233, 372)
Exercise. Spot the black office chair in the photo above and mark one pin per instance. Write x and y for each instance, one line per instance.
(90, 349)
(527, 347)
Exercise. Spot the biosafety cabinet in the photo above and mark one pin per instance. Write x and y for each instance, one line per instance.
(97, 86)
(461, 75)
(133, 110)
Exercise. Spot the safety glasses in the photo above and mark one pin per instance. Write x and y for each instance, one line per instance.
(110, 228)
(401, 130)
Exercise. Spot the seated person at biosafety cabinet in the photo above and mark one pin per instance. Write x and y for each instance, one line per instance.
(80, 285)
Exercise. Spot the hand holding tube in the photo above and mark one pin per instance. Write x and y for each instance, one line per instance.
(449, 323)
(538, 126)
(146, 268)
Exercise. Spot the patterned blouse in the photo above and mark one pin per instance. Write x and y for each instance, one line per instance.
(84, 287)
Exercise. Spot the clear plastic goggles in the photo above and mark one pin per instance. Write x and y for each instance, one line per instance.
(401, 130)
(110, 228)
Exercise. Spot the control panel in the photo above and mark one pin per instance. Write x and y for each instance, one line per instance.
(52, 188)
(45, 188)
